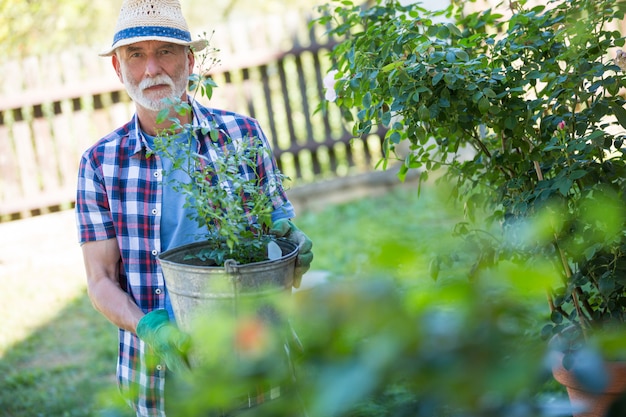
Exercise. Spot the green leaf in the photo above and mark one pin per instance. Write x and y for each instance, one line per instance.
(477, 96)
(367, 100)
(607, 285)
(454, 30)
(484, 105)
(436, 57)
(395, 137)
(556, 317)
(443, 32)
(209, 82)
(510, 123)
(450, 78)
(564, 185)
(462, 55)
(392, 66)
(489, 93)
(437, 78)
(163, 115)
(386, 118)
(620, 113)
(402, 172)
(595, 135)
(434, 268)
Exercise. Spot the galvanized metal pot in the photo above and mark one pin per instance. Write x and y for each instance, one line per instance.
(197, 290)
(207, 297)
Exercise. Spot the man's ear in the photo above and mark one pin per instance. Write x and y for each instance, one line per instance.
(192, 60)
(116, 65)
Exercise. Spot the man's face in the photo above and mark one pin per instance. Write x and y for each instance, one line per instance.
(152, 71)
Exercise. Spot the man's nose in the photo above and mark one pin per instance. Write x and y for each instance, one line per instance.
(153, 67)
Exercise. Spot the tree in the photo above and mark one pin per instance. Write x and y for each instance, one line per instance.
(37, 26)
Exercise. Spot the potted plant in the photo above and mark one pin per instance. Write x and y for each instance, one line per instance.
(228, 199)
(237, 272)
(523, 116)
(236, 256)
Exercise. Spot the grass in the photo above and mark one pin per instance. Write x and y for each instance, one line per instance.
(57, 354)
(63, 367)
(357, 238)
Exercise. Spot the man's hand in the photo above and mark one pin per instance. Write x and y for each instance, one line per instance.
(165, 339)
(285, 228)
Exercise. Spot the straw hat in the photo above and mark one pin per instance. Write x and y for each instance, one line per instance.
(145, 20)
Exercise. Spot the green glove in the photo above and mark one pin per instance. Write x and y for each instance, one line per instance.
(165, 340)
(285, 228)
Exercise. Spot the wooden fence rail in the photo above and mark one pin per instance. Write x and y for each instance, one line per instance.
(53, 108)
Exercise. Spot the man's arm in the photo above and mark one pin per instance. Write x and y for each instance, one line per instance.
(155, 329)
(102, 266)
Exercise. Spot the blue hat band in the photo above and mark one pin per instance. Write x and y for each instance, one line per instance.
(148, 31)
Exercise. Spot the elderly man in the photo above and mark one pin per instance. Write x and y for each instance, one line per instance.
(127, 214)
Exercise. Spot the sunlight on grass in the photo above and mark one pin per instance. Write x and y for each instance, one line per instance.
(357, 237)
(41, 271)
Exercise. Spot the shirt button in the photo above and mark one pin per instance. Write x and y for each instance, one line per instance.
(159, 367)
(157, 174)
(155, 252)
(154, 211)
(157, 291)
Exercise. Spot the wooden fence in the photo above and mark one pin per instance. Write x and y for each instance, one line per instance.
(52, 108)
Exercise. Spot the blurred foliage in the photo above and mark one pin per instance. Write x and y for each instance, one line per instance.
(385, 339)
(375, 347)
(36, 27)
(391, 342)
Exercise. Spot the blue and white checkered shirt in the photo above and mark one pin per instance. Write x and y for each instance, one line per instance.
(119, 195)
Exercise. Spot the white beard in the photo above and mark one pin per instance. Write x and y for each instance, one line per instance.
(154, 101)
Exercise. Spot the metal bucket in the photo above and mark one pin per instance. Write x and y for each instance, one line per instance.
(205, 291)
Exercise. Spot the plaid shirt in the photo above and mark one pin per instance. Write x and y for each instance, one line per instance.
(119, 195)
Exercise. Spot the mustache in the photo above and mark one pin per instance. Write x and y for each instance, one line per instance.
(158, 80)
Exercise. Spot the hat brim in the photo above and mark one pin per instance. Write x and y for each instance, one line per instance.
(195, 45)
